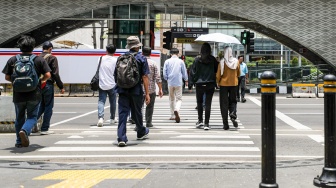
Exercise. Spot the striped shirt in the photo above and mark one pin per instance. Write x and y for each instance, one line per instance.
(154, 75)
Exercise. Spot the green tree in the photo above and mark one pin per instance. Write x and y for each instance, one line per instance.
(295, 62)
(189, 61)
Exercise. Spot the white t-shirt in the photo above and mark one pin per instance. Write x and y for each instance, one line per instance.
(106, 71)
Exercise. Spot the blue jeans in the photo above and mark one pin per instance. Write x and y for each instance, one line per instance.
(46, 106)
(102, 99)
(26, 117)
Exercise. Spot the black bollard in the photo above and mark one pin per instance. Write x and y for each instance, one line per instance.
(328, 177)
(268, 157)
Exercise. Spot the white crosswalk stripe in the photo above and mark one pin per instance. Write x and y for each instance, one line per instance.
(168, 140)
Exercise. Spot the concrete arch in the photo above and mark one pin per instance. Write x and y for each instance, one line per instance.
(302, 24)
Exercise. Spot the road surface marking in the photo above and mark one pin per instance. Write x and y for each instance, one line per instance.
(210, 136)
(149, 155)
(317, 138)
(75, 136)
(105, 142)
(291, 122)
(90, 178)
(67, 120)
(145, 148)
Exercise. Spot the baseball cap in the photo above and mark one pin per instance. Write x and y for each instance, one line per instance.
(47, 44)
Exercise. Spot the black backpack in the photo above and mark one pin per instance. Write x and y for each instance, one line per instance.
(127, 71)
(24, 77)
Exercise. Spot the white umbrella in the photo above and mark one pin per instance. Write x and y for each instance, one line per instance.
(218, 37)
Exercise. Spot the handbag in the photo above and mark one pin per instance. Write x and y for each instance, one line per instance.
(95, 80)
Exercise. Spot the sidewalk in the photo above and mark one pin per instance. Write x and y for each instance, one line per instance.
(221, 175)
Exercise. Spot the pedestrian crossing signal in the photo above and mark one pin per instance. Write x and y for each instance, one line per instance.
(243, 37)
(250, 42)
(167, 40)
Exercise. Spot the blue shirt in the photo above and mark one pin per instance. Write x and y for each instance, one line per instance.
(143, 70)
(174, 70)
(243, 69)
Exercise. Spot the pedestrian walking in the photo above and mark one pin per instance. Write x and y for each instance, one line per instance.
(47, 102)
(173, 71)
(242, 80)
(107, 85)
(203, 73)
(131, 70)
(153, 77)
(23, 71)
(227, 78)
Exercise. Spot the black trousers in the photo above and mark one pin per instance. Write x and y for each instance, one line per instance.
(209, 90)
(228, 102)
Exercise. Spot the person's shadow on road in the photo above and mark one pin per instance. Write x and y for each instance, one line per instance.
(30, 148)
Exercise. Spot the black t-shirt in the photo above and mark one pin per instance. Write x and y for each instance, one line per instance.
(41, 68)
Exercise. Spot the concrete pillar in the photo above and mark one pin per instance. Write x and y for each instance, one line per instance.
(147, 27)
(110, 27)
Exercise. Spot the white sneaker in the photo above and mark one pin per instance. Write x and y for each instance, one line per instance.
(100, 122)
(113, 122)
(47, 132)
(207, 127)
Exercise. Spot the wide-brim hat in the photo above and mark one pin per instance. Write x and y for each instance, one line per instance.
(133, 42)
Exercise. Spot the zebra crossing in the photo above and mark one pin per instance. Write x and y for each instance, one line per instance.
(168, 141)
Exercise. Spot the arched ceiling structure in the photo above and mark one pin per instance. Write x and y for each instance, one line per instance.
(305, 26)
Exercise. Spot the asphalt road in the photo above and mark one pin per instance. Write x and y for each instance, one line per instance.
(175, 154)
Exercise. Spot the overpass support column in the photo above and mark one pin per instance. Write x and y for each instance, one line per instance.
(110, 27)
(147, 26)
(268, 146)
(328, 177)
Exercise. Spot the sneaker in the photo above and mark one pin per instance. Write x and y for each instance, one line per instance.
(238, 99)
(226, 127)
(38, 125)
(122, 144)
(47, 132)
(18, 145)
(233, 115)
(131, 121)
(177, 116)
(207, 127)
(100, 122)
(149, 125)
(113, 122)
(243, 100)
(199, 124)
(145, 135)
(35, 129)
(135, 128)
(24, 138)
(235, 123)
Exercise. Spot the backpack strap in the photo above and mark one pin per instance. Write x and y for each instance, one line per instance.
(18, 57)
(99, 64)
(32, 57)
(46, 56)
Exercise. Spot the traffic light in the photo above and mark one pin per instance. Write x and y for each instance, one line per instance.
(243, 37)
(250, 42)
(167, 40)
